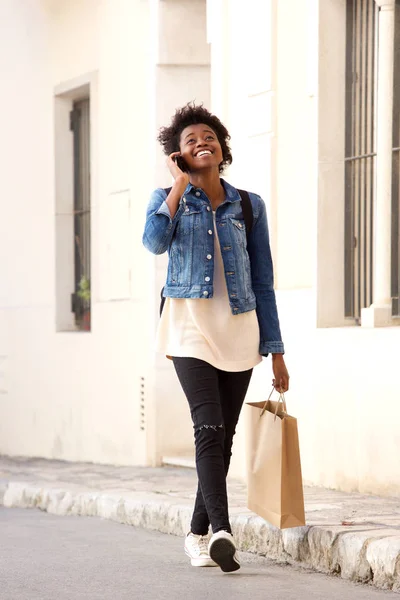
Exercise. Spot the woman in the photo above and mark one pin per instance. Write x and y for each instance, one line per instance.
(220, 314)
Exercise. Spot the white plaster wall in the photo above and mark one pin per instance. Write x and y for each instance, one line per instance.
(74, 33)
(265, 93)
(344, 389)
(76, 395)
(344, 380)
(296, 144)
(73, 395)
(344, 392)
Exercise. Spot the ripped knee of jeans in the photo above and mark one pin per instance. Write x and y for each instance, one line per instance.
(215, 428)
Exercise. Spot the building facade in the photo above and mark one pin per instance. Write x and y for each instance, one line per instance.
(310, 94)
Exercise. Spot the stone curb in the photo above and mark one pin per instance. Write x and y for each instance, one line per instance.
(357, 553)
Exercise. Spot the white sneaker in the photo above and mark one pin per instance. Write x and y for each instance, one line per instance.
(222, 550)
(196, 549)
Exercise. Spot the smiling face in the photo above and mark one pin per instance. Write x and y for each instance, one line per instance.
(200, 148)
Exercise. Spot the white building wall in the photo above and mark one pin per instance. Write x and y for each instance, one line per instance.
(74, 395)
(79, 396)
(344, 380)
(101, 396)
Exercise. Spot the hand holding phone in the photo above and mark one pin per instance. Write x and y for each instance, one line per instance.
(178, 167)
(181, 163)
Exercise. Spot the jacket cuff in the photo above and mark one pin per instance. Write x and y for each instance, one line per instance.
(164, 210)
(271, 348)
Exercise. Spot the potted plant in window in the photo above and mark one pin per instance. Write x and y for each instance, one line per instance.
(84, 294)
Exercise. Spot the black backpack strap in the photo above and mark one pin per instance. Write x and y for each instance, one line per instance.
(247, 210)
(167, 190)
(162, 302)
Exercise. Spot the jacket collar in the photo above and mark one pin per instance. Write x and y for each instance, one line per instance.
(232, 195)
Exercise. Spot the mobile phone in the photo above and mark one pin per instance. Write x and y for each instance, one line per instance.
(181, 163)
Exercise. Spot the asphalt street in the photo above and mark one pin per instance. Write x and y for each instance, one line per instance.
(45, 557)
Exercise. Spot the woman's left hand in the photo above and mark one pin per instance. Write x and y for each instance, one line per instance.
(281, 375)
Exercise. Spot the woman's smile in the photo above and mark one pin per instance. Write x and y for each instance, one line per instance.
(201, 153)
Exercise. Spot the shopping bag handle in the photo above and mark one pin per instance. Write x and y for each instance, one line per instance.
(280, 399)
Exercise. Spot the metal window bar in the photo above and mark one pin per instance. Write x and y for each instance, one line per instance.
(361, 38)
(395, 254)
(80, 126)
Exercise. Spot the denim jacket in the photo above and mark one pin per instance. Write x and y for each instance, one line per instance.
(189, 239)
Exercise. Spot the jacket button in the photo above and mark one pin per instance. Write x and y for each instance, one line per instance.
(209, 257)
(205, 293)
(186, 210)
(207, 278)
(197, 194)
(209, 232)
(208, 208)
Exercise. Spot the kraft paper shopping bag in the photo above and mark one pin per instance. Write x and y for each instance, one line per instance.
(275, 487)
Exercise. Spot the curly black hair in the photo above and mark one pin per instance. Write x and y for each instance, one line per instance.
(190, 114)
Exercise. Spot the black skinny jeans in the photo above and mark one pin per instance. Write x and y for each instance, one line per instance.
(215, 399)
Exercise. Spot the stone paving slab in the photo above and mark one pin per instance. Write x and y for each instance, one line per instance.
(351, 535)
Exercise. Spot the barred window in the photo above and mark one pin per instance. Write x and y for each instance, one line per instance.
(81, 298)
(361, 43)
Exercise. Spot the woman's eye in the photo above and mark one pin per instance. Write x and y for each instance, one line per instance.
(209, 137)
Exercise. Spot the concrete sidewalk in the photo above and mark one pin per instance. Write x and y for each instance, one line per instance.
(354, 536)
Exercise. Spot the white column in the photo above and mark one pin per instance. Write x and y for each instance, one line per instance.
(379, 313)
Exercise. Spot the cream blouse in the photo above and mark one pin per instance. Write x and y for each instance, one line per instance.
(206, 328)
